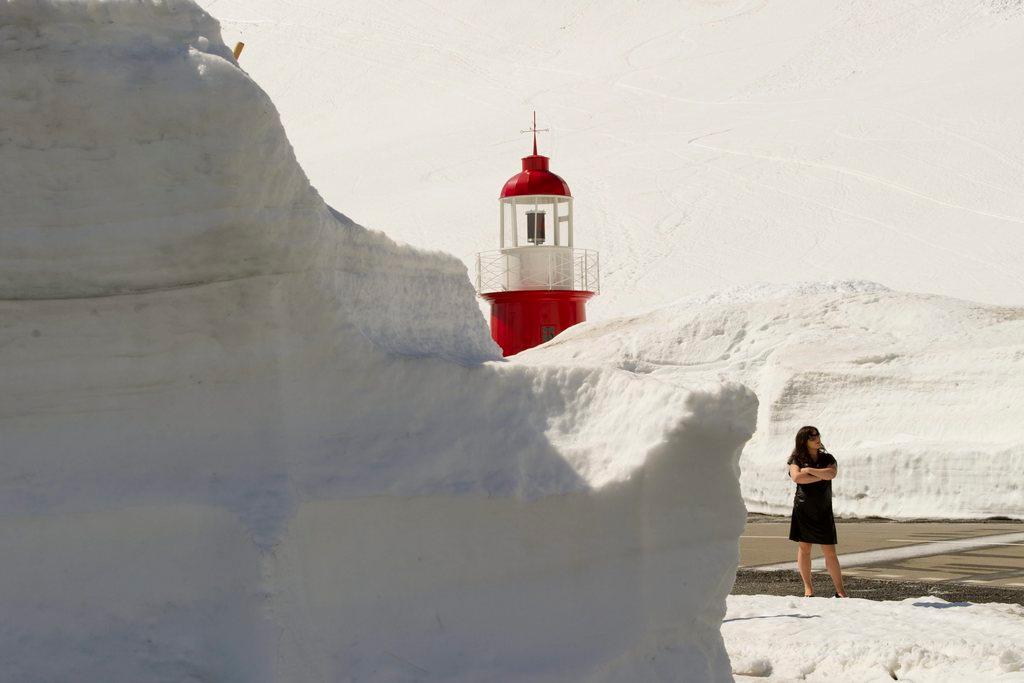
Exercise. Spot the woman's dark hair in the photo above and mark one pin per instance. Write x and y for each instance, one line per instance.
(799, 454)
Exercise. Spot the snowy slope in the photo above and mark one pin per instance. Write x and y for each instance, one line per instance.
(712, 146)
(245, 439)
(855, 641)
(708, 144)
(919, 397)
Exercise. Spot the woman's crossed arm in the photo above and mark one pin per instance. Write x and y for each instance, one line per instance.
(800, 476)
(823, 474)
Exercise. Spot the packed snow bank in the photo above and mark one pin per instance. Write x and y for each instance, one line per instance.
(918, 639)
(247, 440)
(920, 397)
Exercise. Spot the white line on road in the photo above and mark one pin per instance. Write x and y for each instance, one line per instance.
(915, 540)
(906, 552)
(746, 536)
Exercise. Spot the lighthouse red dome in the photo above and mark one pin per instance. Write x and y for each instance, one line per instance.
(535, 178)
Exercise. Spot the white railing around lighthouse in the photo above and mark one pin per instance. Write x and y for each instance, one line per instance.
(538, 268)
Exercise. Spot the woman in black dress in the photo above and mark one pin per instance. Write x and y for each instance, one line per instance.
(813, 469)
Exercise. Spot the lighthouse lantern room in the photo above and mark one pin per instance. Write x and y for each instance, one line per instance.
(537, 282)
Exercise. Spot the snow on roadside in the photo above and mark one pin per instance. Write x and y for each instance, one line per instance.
(919, 639)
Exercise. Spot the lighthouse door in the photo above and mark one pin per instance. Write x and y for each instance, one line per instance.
(547, 333)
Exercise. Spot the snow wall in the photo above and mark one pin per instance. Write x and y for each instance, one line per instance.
(245, 439)
(920, 397)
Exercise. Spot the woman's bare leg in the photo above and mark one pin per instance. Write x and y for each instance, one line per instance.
(832, 565)
(803, 563)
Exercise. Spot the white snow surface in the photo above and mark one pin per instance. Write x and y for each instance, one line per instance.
(811, 192)
(245, 439)
(920, 397)
(862, 641)
(708, 143)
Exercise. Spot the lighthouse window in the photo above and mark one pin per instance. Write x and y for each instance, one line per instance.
(535, 227)
(547, 333)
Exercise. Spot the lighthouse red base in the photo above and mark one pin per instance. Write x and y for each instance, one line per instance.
(523, 319)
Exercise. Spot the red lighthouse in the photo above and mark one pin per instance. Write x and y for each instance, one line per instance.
(538, 283)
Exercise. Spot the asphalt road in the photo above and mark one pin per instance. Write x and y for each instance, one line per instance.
(959, 561)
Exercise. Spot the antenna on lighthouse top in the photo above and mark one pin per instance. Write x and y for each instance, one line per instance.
(535, 130)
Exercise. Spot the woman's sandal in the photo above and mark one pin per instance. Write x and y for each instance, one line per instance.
(837, 595)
